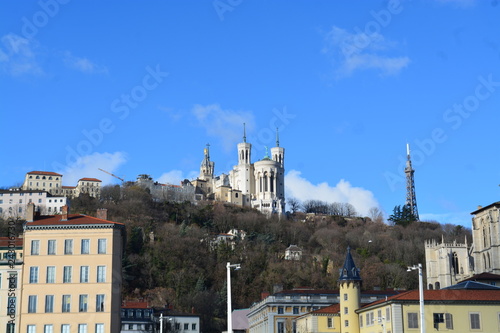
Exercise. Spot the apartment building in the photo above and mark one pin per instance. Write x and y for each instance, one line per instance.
(43, 181)
(13, 203)
(72, 274)
(11, 263)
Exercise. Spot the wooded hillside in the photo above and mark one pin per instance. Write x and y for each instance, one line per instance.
(171, 258)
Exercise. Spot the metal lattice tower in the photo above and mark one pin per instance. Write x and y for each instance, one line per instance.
(411, 198)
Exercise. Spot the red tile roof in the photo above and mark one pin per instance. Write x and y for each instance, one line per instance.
(68, 187)
(5, 241)
(46, 173)
(135, 305)
(331, 309)
(444, 295)
(73, 220)
(90, 179)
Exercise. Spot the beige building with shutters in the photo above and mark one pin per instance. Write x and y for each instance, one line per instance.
(71, 281)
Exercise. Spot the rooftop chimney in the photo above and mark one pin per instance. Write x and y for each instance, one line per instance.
(64, 213)
(102, 213)
(30, 212)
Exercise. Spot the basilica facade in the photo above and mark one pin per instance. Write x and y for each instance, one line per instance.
(259, 185)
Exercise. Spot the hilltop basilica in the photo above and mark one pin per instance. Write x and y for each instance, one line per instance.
(260, 185)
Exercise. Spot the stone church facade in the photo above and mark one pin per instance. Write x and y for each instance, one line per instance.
(449, 263)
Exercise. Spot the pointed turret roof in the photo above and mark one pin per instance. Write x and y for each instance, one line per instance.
(349, 272)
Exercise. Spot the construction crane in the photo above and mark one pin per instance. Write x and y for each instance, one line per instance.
(109, 173)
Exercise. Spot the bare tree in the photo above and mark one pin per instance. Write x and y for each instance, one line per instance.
(376, 215)
(293, 204)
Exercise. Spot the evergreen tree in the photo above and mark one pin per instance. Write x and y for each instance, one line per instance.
(402, 216)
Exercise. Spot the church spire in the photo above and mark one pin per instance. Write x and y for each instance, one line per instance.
(349, 272)
(244, 133)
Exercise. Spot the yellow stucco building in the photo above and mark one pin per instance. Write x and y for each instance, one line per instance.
(71, 280)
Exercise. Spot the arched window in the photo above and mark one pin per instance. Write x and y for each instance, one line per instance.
(454, 263)
(438, 285)
(431, 287)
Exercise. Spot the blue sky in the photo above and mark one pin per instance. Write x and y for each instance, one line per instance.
(141, 87)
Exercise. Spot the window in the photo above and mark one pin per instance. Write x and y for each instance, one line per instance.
(35, 247)
(48, 329)
(437, 319)
(186, 327)
(11, 306)
(99, 328)
(345, 297)
(388, 314)
(31, 329)
(448, 317)
(193, 327)
(280, 310)
(101, 246)
(412, 320)
(32, 299)
(65, 328)
(52, 247)
(329, 321)
(67, 274)
(34, 274)
(68, 246)
(85, 246)
(295, 310)
(177, 326)
(11, 327)
(346, 310)
(475, 321)
(361, 320)
(82, 328)
(84, 274)
(66, 303)
(101, 273)
(49, 303)
(83, 303)
(346, 323)
(99, 306)
(51, 274)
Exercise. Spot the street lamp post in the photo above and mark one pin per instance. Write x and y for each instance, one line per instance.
(420, 294)
(229, 317)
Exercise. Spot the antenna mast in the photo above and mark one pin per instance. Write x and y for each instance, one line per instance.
(411, 198)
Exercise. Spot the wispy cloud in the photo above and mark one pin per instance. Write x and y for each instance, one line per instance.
(176, 176)
(351, 52)
(298, 187)
(227, 125)
(83, 64)
(19, 56)
(88, 166)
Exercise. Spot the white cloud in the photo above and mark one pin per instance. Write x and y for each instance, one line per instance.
(88, 166)
(83, 64)
(176, 176)
(302, 189)
(361, 51)
(19, 56)
(227, 125)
